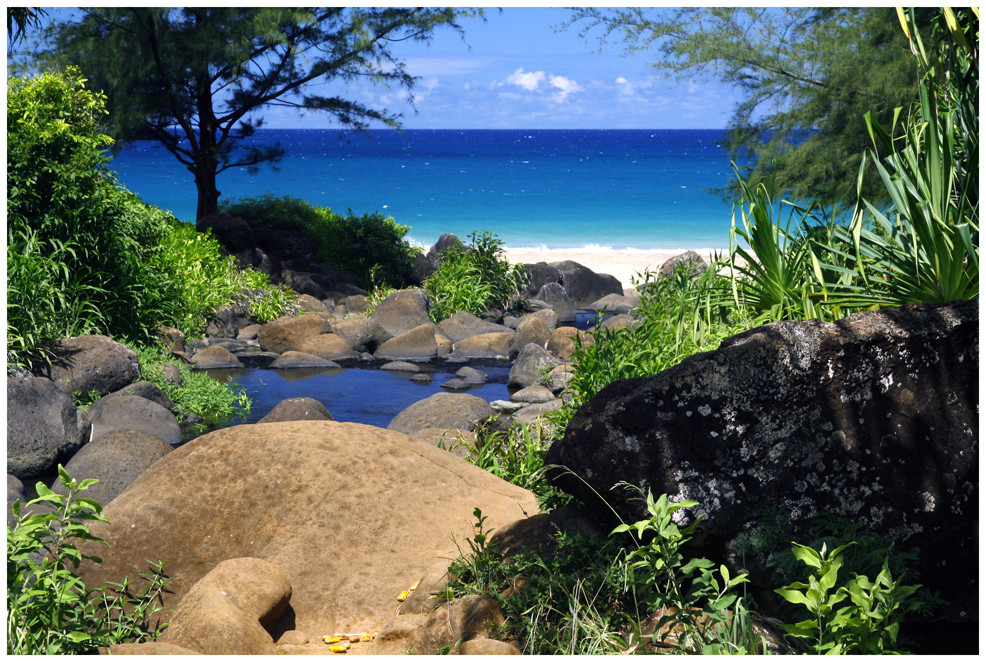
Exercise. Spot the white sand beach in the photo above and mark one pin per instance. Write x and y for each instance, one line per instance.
(623, 264)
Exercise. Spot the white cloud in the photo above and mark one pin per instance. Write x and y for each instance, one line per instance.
(530, 81)
(565, 86)
(429, 83)
(624, 87)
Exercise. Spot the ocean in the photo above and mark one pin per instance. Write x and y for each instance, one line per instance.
(617, 189)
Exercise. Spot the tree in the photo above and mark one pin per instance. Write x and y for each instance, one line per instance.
(19, 19)
(194, 78)
(808, 75)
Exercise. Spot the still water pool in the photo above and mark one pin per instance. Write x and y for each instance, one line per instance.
(356, 394)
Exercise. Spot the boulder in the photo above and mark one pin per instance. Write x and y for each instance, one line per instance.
(172, 339)
(537, 276)
(370, 511)
(229, 610)
(531, 365)
(622, 321)
(297, 409)
(484, 346)
(134, 413)
(288, 333)
(115, 459)
(290, 360)
(872, 419)
(584, 285)
(471, 376)
(42, 426)
(531, 413)
(562, 341)
(443, 410)
(465, 619)
(616, 304)
(445, 241)
(689, 260)
(310, 304)
(464, 324)
(556, 297)
(354, 303)
(84, 364)
(402, 311)
(421, 269)
(417, 344)
(328, 346)
(147, 648)
(215, 357)
(362, 333)
(400, 366)
(533, 394)
(232, 232)
(227, 321)
(248, 332)
(145, 390)
(531, 329)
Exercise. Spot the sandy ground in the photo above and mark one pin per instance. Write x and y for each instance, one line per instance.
(624, 264)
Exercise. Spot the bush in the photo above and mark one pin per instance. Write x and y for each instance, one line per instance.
(50, 611)
(78, 246)
(472, 278)
(371, 247)
(198, 393)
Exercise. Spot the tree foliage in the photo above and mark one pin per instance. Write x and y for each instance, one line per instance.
(194, 78)
(807, 75)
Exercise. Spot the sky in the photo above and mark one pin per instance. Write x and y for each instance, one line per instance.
(515, 70)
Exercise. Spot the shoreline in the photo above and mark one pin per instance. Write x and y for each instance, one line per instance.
(623, 264)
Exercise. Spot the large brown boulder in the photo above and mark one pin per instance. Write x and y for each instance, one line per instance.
(215, 357)
(872, 419)
(532, 364)
(443, 410)
(297, 409)
(350, 514)
(288, 333)
(230, 610)
(418, 344)
(84, 364)
(483, 346)
(42, 426)
(362, 333)
(464, 324)
(328, 346)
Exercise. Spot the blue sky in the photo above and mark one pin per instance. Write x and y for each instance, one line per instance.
(516, 71)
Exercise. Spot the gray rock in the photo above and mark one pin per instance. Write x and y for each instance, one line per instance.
(537, 276)
(457, 385)
(526, 368)
(689, 260)
(297, 409)
(616, 304)
(556, 297)
(443, 410)
(135, 413)
(145, 390)
(215, 357)
(531, 413)
(533, 394)
(115, 459)
(872, 419)
(471, 376)
(248, 332)
(227, 321)
(42, 426)
(84, 364)
(290, 360)
(584, 285)
(506, 406)
(464, 324)
(402, 311)
(232, 232)
(422, 377)
(400, 366)
(532, 329)
(362, 333)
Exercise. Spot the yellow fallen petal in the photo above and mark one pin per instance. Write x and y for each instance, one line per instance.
(331, 639)
(403, 596)
(415, 584)
(368, 636)
(339, 648)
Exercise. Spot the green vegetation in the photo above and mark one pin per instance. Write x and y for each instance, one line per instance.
(50, 611)
(169, 72)
(192, 392)
(371, 247)
(473, 278)
(586, 594)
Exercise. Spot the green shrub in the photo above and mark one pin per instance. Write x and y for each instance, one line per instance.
(371, 247)
(197, 393)
(472, 278)
(78, 246)
(50, 611)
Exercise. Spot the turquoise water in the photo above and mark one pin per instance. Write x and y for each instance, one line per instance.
(644, 189)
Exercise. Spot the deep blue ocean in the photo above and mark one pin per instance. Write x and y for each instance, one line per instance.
(643, 189)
